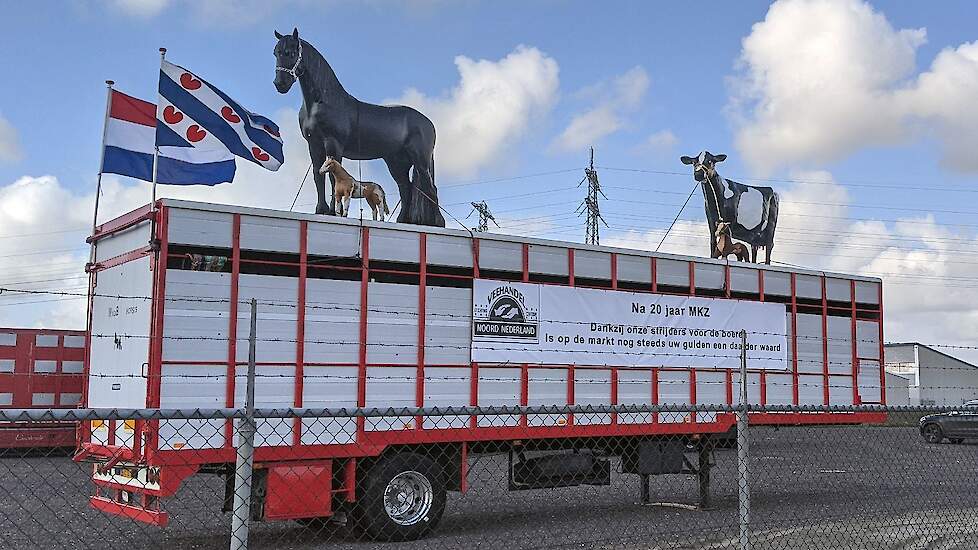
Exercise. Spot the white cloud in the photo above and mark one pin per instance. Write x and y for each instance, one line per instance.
(10, 150)
(489, 110)
(141, 8)
(660, 143)
(615, 99)
(821, 79)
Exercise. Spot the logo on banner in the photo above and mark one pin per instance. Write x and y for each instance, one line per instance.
(506, 314)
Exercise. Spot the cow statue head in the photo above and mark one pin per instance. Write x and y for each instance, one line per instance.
(704, 165)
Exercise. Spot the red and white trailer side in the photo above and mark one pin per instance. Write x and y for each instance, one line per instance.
(40, 369)
(372, 314)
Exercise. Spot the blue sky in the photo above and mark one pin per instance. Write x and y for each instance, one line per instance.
(644, 82)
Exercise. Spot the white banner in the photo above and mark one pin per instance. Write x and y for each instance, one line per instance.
(559, 325)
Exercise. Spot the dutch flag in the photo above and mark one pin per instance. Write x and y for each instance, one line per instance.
(195, 114)
(130, 136)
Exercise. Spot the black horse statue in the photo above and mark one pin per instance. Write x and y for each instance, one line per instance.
(750, 211)
(338, 125)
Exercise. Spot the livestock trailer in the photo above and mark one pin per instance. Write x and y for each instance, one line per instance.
(40, 369)
(369, 314)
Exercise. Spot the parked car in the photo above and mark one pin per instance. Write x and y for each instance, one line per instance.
(953, 425)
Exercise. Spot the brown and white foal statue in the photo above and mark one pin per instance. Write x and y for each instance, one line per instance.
(726, 246)
(347, 188)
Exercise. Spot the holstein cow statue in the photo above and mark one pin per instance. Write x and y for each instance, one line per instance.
(752, 212)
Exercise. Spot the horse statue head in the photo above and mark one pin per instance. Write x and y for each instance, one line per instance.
(288, 60)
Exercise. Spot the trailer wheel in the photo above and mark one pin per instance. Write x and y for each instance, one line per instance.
(933, 433)
(403, 498)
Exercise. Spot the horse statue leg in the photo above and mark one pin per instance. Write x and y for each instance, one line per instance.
(318, 156)
(400, 169)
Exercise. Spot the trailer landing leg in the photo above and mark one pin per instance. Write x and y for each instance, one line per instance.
(701, 469)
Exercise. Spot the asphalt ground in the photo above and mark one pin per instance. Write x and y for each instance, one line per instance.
(811, 487)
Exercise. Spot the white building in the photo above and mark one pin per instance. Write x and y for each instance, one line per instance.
(897, 390)
(935, 378)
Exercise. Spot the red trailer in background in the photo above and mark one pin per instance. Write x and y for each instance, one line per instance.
(40, 369)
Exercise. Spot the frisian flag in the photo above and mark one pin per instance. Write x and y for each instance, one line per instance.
(196, 114)
(130, 137)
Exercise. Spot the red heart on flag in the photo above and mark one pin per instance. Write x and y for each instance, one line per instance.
(259, 154)
(188, 81)
(171, 115)
(195, 134)
(271, 130)
(228, 114)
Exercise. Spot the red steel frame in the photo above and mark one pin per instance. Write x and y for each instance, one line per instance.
(23, 382)
(371, 443)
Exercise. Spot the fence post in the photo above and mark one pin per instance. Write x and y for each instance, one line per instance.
(241, 511)
(743, 451)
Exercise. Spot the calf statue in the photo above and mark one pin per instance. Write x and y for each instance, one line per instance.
(337, 125)
(751, 212)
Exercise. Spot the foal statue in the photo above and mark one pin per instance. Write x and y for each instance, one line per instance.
(337, 125)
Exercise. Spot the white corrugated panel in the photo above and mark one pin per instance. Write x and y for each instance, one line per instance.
(867, 339)
(840, 345)
(42, 399)
(6, 365)
(709, 276)
(271, 234)
(592, 264)
(199, 227)
(449, 251)
(743, 279)
(447, 387)
(448, 329)
(672, 272)
(328, 239)
(634, 388)
(117, 244)
(277, 317)
(392, 323)
(546, 387)
(391, 388)
(808, 286)
(635, 269)
(549, 260)
(673, 389)
(777, 283)
(332, 325)
(838, 290)
(753, 387)
(274, 388)
(500, 255)
(329, 387)
(711, 389)
(73, 367)
(396, 246)
(8, 338)
(869, 381)
(195, 319)
(499, 387)
(840, 390)
(811, 390)
(70, 399)
(868, 292)
(192, 387)
(592, 387)
(780, 389)
(6, 399)
(810, 343)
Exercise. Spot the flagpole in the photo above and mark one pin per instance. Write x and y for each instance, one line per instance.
(101, 164)
(156, 147)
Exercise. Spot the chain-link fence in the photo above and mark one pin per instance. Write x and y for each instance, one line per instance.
(820, 477)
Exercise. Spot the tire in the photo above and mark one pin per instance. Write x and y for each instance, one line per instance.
(403, 498)
(956, 440)
(933, 433)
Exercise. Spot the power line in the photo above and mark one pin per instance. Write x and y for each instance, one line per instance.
(590, 206)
